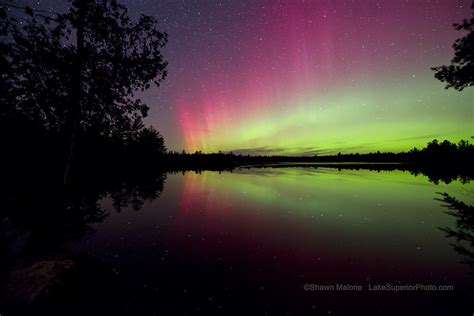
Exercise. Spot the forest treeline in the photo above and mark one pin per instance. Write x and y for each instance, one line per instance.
(435, 153)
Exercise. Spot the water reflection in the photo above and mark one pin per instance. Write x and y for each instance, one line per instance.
(463, 234)
(39, 272)
(436, 175)
(241, 242)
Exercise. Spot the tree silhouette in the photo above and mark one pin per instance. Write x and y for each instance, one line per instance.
(35, 72)
(460, 74)
(78, 71)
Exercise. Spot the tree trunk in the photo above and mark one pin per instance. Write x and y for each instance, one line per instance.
(74, 115)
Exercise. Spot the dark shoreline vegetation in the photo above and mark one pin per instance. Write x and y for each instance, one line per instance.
(32, 154)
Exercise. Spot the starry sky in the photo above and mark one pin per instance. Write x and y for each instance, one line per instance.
(301, 77)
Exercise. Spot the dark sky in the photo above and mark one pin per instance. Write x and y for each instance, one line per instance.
(304, 77)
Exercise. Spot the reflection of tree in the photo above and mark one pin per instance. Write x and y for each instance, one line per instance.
(464, 232)
(36, 223)
(444, 175)
(435, 175)
(52, 216)
(134, 194)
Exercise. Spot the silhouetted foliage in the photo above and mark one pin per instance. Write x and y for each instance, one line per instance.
(148, 146)
(120, 58)
(76, 73)
(460, 74)
(464, 232)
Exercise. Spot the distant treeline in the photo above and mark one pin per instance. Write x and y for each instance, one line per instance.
(435, 153)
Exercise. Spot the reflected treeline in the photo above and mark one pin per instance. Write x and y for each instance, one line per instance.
(37, 219)
(463, 234)
(51, 215)
(435, 175)
(445, 175)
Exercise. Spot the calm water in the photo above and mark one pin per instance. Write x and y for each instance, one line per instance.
(246, 242)
(249, 240)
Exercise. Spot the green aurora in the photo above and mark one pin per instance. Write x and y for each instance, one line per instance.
(359, 119)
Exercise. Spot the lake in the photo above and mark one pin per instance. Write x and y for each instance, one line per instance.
(279, 241)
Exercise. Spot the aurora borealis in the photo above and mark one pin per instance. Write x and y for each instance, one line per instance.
(306, 77)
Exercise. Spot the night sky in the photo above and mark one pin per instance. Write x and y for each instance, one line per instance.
(305, 77)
